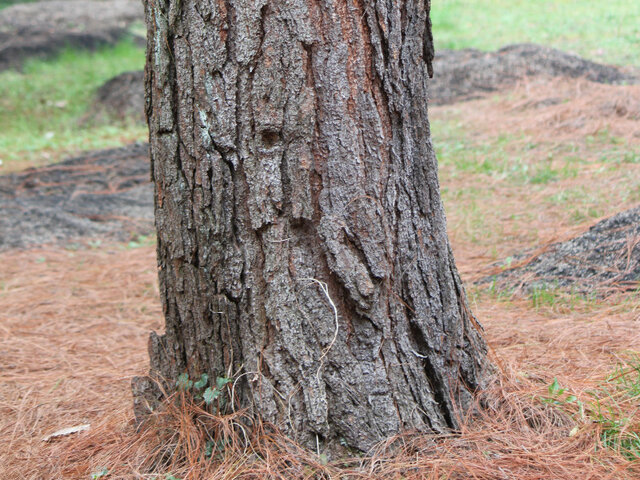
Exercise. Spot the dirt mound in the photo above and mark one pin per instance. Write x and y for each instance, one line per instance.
(466, 74)
(105, 193)
(121, 98)
(605, 258)
(459, 75)
(43, 28)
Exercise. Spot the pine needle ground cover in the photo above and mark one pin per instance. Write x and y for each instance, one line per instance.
(519, 169)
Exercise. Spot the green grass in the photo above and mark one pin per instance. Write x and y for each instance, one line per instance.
(8, 3)
(42, 107)
(603, 31)
(612, 407)
(548, 298)
(459, 154)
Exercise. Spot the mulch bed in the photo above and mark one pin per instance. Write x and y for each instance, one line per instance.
(603, 259)
(467, 74)
(105, 194)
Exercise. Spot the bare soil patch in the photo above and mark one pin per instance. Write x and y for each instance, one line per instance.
(104, 194)
(121, 98)
(467, 74)
(42, 29)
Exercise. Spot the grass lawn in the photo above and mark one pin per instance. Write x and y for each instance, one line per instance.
(607, 32)
(42, 107)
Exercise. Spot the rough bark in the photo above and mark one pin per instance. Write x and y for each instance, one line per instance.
(302, 243)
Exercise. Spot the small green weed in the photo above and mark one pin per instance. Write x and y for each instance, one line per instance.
(556, 298)
(580, 215)
(103, 472)
(494, 291)
(544, 296)
(142, 241)
(95, 244)
(202, 391)
(211, 394)
(544, 174)
(631, 157)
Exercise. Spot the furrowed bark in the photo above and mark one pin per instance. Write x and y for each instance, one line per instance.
(301, 236)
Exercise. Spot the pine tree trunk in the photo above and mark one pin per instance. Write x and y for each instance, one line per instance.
(302, 244)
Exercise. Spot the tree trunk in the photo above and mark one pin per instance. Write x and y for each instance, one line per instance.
(302, 244)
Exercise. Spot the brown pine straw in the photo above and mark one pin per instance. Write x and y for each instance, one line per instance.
(74, 328)
(558, 110)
